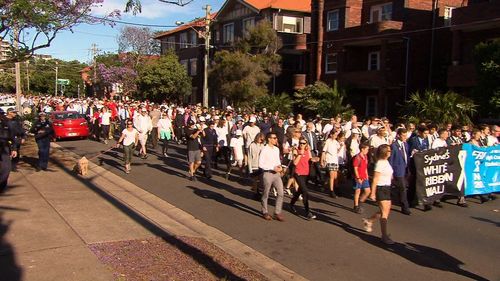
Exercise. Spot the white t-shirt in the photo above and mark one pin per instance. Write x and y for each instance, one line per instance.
(129, 136)
(331, 149)
(384, 168)
(221, 135)
(237, 145)
(105, 118)
(437, 143)
(249, 134)
(376, 141)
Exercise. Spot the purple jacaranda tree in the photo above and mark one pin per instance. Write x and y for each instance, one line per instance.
(123, 75)
(34, 24)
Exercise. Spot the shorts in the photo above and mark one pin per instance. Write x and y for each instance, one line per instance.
(332, 167)
(143, 138)
(363, 185)
(383, 193)
(238, 162)
(194, 156)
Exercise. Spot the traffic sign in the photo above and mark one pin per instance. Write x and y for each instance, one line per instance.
(63, 81)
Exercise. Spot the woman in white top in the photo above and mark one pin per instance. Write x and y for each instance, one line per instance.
(105, 121)
(330, 158)
(165, 132)
(129, 139)
(381, 187)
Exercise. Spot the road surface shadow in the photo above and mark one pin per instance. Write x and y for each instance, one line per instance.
(208, 194)
(496, 223)
(208, 262)
(9, 268)
(418, 254)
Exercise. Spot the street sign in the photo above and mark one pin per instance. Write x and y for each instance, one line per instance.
(63, 81)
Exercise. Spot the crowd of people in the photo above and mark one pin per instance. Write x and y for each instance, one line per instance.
(279, 153)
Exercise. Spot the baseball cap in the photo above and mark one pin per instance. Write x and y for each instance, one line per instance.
(252, 120)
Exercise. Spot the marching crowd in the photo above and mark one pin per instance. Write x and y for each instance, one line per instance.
(280, 153)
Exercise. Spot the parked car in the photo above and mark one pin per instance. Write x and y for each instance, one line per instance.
(69, 124)
(6, 104)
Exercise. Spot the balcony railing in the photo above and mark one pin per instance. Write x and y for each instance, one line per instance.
(294, 41)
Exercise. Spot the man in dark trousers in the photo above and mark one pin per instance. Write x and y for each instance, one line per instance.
(210, 147)
(43, 132)
(18, 135)
(400, 156)
(6, 151)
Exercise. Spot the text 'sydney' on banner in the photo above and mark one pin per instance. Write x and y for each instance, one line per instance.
(482, 169)
(439, 172)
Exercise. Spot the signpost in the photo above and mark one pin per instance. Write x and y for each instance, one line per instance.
(63, 83)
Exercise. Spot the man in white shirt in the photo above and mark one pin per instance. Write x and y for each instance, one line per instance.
(328, 127)
(270, 164)
(441, 140)
(378, 139)
(349, 125)
(144, 125)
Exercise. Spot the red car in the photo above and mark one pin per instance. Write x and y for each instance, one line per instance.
(69, 124)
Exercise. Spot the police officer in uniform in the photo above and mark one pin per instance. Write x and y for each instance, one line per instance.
(43, 132)
(18, 135)
(6, 151)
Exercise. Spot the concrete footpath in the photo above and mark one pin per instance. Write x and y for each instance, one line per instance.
(48, 220)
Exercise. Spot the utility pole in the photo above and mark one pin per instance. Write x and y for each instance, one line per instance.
(18, 73)
(78, 90)
(94, 66)
(207, 54)
(57, 70)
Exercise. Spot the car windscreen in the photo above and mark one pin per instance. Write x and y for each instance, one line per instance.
(67, 115)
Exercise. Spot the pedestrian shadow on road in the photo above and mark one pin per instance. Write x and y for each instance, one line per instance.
(202, 258)
(418, 254)
(9, 269)
(496, 223)
(208, 194)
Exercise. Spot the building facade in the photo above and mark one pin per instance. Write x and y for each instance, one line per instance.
(4, 50)
(382, 50)
(290, 19)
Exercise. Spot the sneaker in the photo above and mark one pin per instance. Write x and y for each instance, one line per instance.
(367, 225)
(301, 198)
(357, 209)
(387, 240)
(164, 154)
(310, 216)
(287, 191)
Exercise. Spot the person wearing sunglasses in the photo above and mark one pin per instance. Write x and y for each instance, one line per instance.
(302, 156)
(270, 165)
(129, 139)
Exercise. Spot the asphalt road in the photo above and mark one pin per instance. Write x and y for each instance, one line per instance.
(451, 243)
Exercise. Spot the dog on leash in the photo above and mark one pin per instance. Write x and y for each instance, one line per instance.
(82, 166)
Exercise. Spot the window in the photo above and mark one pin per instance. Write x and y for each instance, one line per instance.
(193, 38)
(169, 43)
(183, 40)
(185, 64)
(371, 106)
(331, 63)
(289, 24)
(448, 13)
(333, 20)
(248, 24)
(381, 12)
(193, 67)
(374, 61)
(228, 33)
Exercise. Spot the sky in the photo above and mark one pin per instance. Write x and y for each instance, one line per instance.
(76, 45)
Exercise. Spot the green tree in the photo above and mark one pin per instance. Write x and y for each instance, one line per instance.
(487, 91)
(42, 76)
(163, 79)
(242, 75)
(7, 82)
(282, 103)
(319, 98)
(238, 77)
(439, 108)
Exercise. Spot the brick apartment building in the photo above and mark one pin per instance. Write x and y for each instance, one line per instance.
(382, 50)
(291, 19)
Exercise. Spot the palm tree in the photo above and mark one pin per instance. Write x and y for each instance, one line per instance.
(321, 99)
(439, 108)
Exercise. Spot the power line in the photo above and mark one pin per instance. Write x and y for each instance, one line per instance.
(131, 23)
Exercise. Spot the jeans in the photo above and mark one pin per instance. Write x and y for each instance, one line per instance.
(302, 181)
(269, 180)
(43, 152)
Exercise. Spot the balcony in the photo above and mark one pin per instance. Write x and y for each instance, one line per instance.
(375, 28)
(485, 13)
(299, 81)
(462, 76)
(294, 42)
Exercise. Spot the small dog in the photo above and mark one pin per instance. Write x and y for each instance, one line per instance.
(82, 167)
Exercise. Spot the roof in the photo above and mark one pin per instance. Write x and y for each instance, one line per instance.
(290, 5)
(196, 23)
